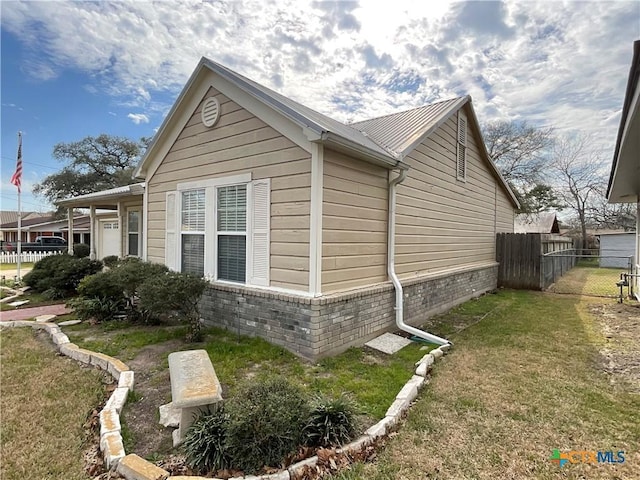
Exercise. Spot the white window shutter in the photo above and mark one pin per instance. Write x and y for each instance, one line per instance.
(261, 219)
(171, 231)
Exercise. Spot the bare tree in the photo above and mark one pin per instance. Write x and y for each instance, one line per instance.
(580, 177)
(612, 215)
(519, 150)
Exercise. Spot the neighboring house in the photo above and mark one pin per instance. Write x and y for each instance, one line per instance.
(9, 223)
(45, 226)
(624, 182)
(544, 222)
(300, 221)
(119, 206)
(617, 249)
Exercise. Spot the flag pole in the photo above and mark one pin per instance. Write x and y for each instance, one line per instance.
(19, 208)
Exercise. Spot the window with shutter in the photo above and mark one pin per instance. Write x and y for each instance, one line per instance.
(221, 229)
(461, 151)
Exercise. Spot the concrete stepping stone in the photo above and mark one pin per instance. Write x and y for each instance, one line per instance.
(69, 323)
(18, 303)
(388, 343)
(45, 318)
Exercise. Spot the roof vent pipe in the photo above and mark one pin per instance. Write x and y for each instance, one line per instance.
(391, 267)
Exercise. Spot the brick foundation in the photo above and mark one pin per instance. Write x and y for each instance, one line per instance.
(317, 327)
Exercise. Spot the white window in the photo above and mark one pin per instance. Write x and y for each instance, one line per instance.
(133, 232)
(219, 229)
(461, 152)
(192, 231)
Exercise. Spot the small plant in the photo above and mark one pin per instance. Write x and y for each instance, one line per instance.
(266, 420)
(205, 443)
(331, 423)
(174, 293)
(81, 250)
(110, 261)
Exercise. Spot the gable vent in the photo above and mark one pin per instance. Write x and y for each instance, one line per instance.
(210, 112)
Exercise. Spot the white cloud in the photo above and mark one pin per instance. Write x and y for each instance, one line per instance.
(138, 118)
(551, 63)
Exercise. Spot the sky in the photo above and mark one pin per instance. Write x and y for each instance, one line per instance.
(74, 69)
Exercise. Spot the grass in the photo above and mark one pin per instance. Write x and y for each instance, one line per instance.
(45, 401)
(35, 300)
(14, 266)
(520, 383)
(592, 281)
(371, 379)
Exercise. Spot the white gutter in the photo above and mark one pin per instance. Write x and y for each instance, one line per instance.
(391, 268)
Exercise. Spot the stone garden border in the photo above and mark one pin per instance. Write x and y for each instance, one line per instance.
(133, 467)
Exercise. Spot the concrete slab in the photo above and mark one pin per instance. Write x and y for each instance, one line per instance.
(388, 343)
(69, 323)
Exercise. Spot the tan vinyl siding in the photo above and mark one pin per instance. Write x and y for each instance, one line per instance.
(443, 222)
(354, 223)
(240, 143)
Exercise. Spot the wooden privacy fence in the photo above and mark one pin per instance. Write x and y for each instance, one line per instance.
(521, 258)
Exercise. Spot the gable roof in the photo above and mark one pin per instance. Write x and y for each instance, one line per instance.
(624, 180)
(384, 140)
(9, 216)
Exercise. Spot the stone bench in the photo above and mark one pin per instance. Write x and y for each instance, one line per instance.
(194, 386)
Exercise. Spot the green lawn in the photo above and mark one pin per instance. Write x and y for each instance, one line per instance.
(45, 401)
(518, 384)
(13, 266)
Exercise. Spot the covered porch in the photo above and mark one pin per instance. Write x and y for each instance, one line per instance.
(624, 181)
(115, 220)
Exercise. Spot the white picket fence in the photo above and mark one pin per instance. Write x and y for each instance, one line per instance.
(25, 257)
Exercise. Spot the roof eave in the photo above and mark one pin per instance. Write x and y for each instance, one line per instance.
(633, 83)
(342, 144)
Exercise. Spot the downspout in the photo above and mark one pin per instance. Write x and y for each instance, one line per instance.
(391, 268)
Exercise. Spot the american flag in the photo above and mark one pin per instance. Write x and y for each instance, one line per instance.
(16, 179)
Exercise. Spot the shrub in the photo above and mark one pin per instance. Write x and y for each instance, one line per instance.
(101, 285)
(132, 272)
(174, 293)
(265, 423)
(110, 261)
(60, 274)
(205, 442)
(331, 423)
(81, 250)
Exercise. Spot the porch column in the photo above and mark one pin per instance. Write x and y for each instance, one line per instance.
(121, 226)
(92, 232)
(70, 224)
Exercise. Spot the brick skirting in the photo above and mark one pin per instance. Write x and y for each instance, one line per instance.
(317, 327)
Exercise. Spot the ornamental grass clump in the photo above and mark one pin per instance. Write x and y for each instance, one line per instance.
(205, 443)
(265, 425)
(331, 422)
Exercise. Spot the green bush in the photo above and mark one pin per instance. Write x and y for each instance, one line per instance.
(101, 285)
(132, 272)
(331, 423)
(266, 419)
(174, 294)
(110, 261)
(60, 275)
(81, 250)
(205, 442)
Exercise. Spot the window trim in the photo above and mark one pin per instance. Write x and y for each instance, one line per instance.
(210, 232)
(139, 232)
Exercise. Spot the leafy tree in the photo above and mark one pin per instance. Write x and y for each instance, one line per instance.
(93, 164)
(539, 198)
